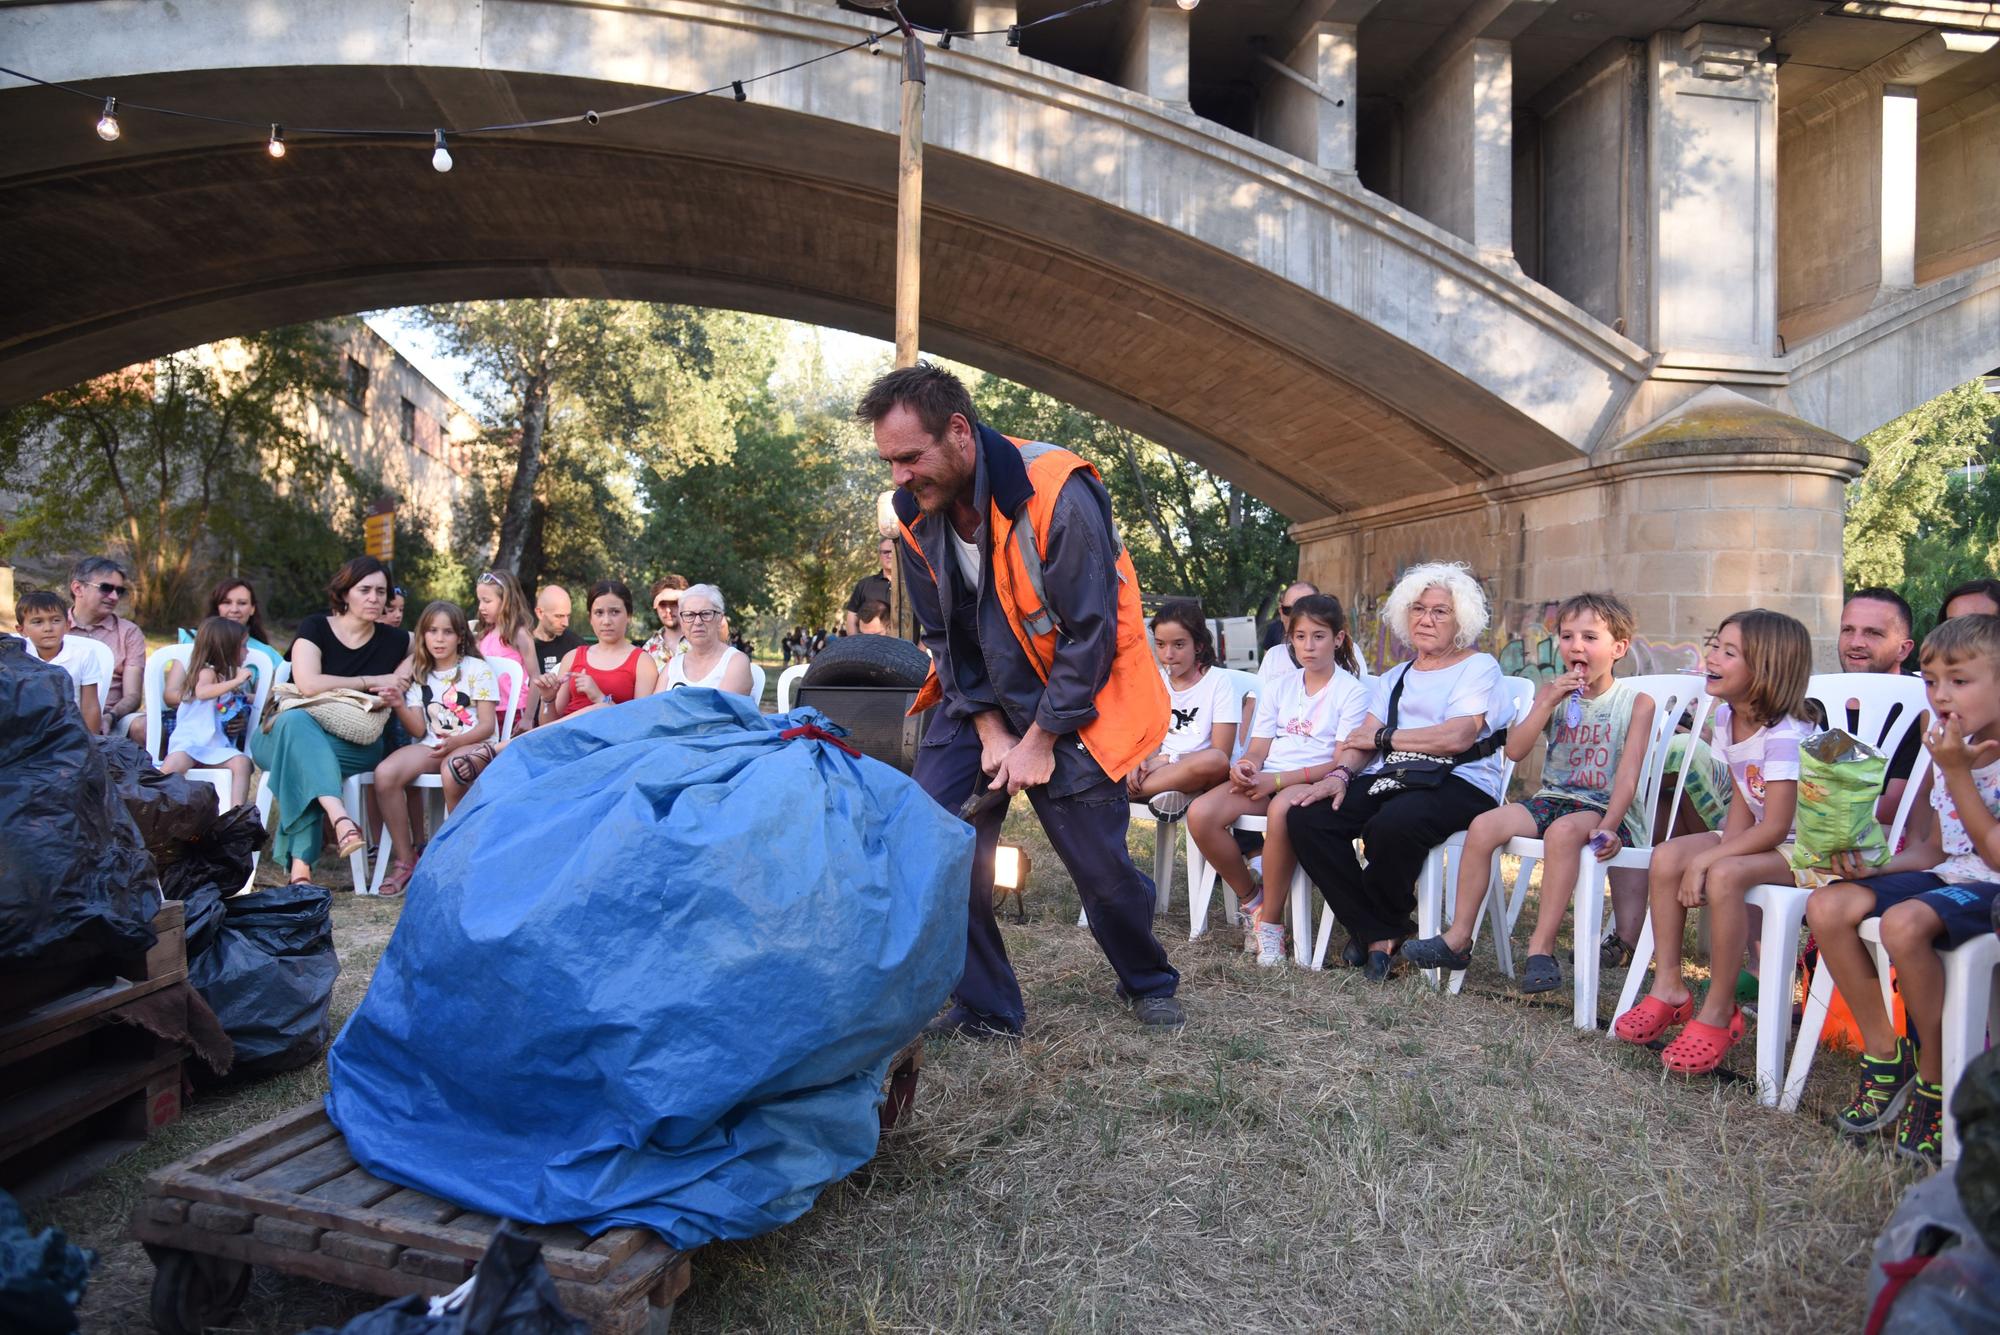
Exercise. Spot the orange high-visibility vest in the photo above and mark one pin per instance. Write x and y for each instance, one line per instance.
(1132, 705)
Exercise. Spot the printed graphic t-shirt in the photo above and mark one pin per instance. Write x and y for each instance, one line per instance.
(1213, 699)
(1305, 729)
(1768, 755)
(1962, 863)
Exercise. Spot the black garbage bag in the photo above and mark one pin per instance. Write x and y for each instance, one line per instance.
(512, 1294)
(1976, 1105)
(268, 975)
(171, 810)
(42, 1277)
(75, 881)
(204, 919)
(1932, 1271)
(222, 857)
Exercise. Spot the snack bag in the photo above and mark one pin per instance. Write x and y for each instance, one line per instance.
(1840, 779)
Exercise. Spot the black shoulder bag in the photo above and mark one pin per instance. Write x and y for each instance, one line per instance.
(1414, 770)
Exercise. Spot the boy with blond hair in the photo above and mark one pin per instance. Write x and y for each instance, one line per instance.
(1935, 895)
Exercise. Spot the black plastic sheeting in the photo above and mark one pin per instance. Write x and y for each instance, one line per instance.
(268, 973)
(171, 811)
(42, 1276)
(511, 1295)
(75, 877)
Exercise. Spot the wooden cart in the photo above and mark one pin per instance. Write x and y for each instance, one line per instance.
(288, 1195)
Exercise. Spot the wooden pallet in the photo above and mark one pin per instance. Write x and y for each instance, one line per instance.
(81, 1087)
(288, 1195)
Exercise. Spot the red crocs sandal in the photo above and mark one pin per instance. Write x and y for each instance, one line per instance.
(1701, 1047)
(1649, 1019)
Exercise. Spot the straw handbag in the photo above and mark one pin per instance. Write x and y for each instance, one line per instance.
(352, 716)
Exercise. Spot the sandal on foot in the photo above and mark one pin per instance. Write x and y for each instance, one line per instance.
(351, 844)
(1433, 953)
(1541, 974)
(1651, 1018)
(398, 879)
(470, 763)
(1701, 1047)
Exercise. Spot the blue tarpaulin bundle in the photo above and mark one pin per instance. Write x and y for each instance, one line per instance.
(653, 972)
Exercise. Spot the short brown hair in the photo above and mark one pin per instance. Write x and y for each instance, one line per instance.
(669, 581)
(1973, 636)
(1606, 607)
(1778, 649)
(928, 390)
(350, 574)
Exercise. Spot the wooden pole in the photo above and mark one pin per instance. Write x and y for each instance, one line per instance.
(909, 246)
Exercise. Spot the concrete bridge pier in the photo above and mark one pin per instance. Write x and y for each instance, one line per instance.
(1723, 504)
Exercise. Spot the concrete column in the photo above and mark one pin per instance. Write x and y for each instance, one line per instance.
(1724, 504)
(1712, 176)
(1154, 58)
(1458, 147)
(1312, 116)
(1899, 186)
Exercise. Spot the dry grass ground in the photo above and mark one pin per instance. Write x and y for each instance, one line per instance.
(1312, 1152)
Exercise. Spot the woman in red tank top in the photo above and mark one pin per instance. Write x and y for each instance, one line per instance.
(611, 671)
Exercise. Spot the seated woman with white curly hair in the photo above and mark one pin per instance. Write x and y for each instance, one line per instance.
(709, 660)
(1419, 768)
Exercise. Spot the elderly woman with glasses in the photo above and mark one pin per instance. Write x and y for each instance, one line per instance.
(709, 660)
(1419, 768)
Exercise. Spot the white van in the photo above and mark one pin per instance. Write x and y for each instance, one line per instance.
(1236, 642)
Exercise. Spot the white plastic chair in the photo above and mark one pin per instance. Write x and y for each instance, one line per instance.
(788, 686)
(1671, 694)
(1971, 1012)
(1432, 879)
(510, 679)
(1201, 876)
(757, 685)
(1888, 707)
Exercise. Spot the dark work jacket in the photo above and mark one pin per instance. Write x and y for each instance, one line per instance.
(980, 664)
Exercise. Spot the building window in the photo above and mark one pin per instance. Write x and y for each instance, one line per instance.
(409, 422)
(354, 384)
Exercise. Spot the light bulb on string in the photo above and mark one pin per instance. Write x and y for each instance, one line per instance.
(440, 155)
(107, 124)
(276, 147)
(1187, 4)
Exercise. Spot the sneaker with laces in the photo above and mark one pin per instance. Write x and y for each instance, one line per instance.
(1270, 944)
(1246, 912)
(1170, 806)
(1920, 1130)
(1885, 1088)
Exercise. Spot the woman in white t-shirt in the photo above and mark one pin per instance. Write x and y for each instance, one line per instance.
(1302, 716)
(708, 661)
(1201, 730)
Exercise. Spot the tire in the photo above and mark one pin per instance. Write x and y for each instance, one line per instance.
(192, 1293)
(869, 660)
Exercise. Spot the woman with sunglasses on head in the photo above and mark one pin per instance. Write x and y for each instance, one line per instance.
(709, 661)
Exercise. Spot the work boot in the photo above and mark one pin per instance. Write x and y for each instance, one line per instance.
(1158, 1013)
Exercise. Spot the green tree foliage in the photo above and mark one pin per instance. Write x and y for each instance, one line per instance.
(582, 397)
(784, 526)
(170, 461)
(1915, 522)
(1190, 531)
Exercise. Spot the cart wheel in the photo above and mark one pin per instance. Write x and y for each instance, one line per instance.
(192, 1293)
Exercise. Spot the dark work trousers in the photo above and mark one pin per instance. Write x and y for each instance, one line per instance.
(1397, 830)
(1087, 831)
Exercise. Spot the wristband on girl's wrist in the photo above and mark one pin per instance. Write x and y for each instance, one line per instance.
(1280, 781)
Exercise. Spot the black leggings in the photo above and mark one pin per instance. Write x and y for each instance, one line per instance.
(1399, 829)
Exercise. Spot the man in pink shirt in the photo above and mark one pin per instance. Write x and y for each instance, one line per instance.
(97, 587)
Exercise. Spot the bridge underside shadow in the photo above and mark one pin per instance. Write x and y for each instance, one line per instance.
(179, 235)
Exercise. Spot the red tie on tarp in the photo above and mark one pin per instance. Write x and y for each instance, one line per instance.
(813, 732)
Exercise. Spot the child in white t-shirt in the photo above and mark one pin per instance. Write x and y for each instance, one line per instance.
(43, 618)
(1302, 716)
(1201, 730)
(1758, 665)
(211, 699)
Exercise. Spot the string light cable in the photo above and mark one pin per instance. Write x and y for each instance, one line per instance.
(275, 133)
